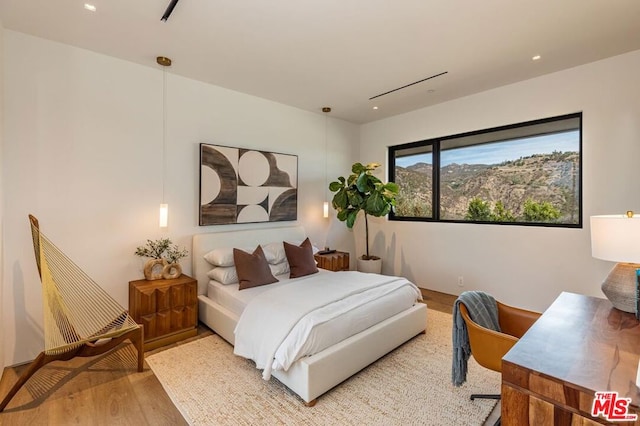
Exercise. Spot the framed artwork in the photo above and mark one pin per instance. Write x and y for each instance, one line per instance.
(243, 185)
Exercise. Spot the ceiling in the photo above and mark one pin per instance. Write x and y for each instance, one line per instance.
(339, 53)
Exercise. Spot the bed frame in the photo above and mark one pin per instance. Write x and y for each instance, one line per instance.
(311, 376)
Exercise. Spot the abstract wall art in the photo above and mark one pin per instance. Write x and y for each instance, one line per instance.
(242, 185)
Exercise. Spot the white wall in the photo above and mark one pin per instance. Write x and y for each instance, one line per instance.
(83, 147)
(527, 266)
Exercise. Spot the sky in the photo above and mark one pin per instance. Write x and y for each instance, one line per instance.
(495, 153)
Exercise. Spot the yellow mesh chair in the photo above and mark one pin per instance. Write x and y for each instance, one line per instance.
(80, 318)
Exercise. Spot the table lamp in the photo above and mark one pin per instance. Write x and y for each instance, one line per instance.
(617, 238)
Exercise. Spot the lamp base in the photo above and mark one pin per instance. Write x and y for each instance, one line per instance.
(620, 287)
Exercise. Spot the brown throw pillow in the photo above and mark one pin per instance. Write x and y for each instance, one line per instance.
(301, 261)
(253, 269)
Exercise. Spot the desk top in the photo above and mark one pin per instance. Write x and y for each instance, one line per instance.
(585, 342)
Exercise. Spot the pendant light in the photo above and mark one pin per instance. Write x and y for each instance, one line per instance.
(325, 207)
(164, 207)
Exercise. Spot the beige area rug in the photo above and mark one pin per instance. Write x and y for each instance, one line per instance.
(409, 386)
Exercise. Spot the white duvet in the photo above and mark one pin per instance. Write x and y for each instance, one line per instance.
(274, 328)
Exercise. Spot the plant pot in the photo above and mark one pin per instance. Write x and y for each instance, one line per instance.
(153, 269)
(373, 266)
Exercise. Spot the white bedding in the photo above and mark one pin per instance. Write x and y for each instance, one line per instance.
(290, 320)
(230, 296)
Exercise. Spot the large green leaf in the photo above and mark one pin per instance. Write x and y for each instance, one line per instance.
(340, 200)
(342, 215)
(358, 168)
(375, 204)
(392, 187)
(335, 186)
(362, 183)
(375, 182)
(351, 218)
(355, 198)
(367, 183)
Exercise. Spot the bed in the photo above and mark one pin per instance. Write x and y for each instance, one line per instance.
(310, 376)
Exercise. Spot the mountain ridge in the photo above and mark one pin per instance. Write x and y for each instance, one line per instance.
(552, 178)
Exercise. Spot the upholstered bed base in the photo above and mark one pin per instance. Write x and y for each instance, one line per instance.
(311, 376)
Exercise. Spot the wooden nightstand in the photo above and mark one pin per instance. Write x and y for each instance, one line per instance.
(168, 309)
(336, 261)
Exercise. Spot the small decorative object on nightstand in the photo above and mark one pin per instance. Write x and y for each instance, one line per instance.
(163, 259)
(332, 260)
(168, 309)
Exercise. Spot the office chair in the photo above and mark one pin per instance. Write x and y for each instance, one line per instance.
(488, 346)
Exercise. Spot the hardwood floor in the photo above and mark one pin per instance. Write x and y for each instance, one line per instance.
(103, 390)
(437, 301)
(108, 390)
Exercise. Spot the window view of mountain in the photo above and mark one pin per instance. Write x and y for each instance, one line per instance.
(535, 188)
(415, 194)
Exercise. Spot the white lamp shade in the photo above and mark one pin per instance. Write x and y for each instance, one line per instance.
(616, 238)
(164, 215)
(325, 209)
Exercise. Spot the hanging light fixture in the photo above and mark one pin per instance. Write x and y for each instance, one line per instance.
(164, 207)
(164, 215)
(325, 207)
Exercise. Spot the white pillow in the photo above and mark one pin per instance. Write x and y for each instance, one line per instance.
(298, 242)
(222, 256)
(228, 274)
(274, 252)
(280, 268)
(224, 274)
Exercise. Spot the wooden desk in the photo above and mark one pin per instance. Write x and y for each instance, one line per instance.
(580, 345)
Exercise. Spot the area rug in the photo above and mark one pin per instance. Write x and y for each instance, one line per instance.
(411, 385)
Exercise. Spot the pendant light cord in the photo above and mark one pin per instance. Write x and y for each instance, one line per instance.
(164, 130)
(326, 111)
(326, 120)
(164, 211)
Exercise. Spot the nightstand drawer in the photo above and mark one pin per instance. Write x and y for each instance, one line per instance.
(182, 317)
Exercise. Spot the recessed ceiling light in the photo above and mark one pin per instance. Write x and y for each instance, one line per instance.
(375, 107)
(535, 58)
(90, 7)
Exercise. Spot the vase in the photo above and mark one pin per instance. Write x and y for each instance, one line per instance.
(171, 271)
(153, 269)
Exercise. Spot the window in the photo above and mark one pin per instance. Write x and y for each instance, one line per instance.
(527, 173)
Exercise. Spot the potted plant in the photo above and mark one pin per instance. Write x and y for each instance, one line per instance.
(163, 259)
(362, 191)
